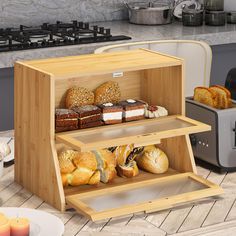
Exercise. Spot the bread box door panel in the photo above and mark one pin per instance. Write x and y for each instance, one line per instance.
(151, 195)
(140, 132)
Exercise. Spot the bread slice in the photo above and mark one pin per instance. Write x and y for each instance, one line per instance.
(223, 97)
(205, 96)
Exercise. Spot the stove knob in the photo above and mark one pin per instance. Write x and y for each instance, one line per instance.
(86, 25)
(81, 24)
(75, 23)
(101, 30)
(107, 31)
(95, 27)
(193, 139)
(45, 26)
(34, 44)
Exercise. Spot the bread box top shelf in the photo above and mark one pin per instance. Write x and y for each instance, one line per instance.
(87, 65)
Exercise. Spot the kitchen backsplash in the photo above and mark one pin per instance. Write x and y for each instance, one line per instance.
(33, 12)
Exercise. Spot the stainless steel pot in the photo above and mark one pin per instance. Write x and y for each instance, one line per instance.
(150, 13)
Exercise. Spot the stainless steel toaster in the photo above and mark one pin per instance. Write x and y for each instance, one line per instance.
(218, 146)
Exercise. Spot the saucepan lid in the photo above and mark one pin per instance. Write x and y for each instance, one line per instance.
(149, 5)
(183, 4)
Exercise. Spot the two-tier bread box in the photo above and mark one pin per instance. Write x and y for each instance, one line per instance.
(40, 87)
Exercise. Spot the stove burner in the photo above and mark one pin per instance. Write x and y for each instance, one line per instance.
(51, 35)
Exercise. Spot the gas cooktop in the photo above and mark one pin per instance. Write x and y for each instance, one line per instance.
(54, 35)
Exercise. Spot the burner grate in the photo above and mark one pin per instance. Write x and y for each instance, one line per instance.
(54, 35)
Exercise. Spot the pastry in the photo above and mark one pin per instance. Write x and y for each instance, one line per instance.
(155, 111)
(122, 153)
(125, 155)
(65, 120)
(78, 168)
(106, 165)
(79, 96)
(111, 114)
(128, 171)
(107, 92)
(153, 160)
(88, 116)
(132, 109)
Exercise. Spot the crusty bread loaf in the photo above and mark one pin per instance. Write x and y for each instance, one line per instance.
(153, 160)
(205, 96)
(108, 92)
(79, 96)
(223, 97)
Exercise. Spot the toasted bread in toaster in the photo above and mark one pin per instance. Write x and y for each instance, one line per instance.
(223, 97)
(205, 96)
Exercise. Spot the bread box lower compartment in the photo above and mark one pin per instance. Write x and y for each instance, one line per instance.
(150, 195)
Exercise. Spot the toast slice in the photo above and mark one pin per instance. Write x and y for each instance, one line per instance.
(205, 96)
(223, 97)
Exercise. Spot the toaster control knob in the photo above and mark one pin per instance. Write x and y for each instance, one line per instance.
(193, 139)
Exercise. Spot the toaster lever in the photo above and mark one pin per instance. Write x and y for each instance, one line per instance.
(234, 134)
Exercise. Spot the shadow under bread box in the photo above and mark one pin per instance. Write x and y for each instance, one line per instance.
(218, 146)
(41, 86)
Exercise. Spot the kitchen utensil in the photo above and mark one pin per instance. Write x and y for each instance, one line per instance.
(150, 13)
(181, 4)
(215, 18)
(218, 146)
(231, 17)
(214, 5)
(192, 17)
(41, 223)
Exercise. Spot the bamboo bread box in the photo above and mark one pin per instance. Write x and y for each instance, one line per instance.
(40, 87)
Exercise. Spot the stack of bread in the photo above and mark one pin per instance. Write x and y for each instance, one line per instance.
(103, 106)
(81, 168)
(215, 96)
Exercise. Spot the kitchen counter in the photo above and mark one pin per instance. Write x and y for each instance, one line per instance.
(212, 35)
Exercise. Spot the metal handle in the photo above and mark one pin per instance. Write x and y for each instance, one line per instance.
(234, 130)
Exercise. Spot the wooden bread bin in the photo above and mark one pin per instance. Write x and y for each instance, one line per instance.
(40, 87)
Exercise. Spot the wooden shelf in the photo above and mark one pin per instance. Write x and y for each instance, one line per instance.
(118, 181)
(41, 87)
(140, 133)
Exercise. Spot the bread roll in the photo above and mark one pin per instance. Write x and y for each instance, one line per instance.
(95, 179)
(107, 92)
(153, 160)
(79, 96)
